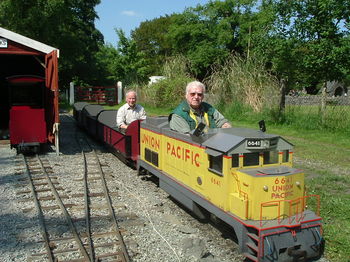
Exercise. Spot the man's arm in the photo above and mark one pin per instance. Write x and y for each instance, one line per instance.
(220, 120)
(142, 114)
(179, 124)
(121, 117)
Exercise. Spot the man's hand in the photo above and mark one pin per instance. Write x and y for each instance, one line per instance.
(226, 125)
(124, 126)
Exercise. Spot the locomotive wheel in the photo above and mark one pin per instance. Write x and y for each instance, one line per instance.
(297, 254)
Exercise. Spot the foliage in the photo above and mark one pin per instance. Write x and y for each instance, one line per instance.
(150, 38)
(108, 65)
(171, 90)
(132, 67)
(303, 42)
(207, 34)
(67, 25)
(306, 41)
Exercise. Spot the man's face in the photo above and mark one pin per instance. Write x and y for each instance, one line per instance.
(131, 99)
(195, 96)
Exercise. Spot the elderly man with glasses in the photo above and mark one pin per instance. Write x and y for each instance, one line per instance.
(190, 113)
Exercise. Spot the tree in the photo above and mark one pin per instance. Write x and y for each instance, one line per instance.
(208, 34)
(150, 38)
(132, 66)
(305, 40)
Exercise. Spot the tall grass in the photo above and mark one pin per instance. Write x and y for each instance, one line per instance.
(244, 82)
(171, 90)
(244, 91)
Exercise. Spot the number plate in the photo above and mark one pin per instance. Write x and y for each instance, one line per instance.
(3, 43)
(256, 143)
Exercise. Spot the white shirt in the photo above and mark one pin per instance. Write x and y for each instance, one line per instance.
(127, 114)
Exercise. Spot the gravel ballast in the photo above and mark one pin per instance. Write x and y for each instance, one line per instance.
(161, 231)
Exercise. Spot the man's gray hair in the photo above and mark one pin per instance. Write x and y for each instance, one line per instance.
(195, 84)
(130, 91)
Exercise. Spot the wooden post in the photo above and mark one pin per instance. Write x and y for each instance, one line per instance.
(120, 92)
(282, 104)
(71, 93)
(323, 103)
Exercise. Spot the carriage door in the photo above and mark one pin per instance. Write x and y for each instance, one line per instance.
(51, 94)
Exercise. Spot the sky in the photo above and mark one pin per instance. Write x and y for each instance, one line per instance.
(128, 14)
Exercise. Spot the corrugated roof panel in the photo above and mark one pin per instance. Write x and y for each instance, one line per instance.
(4, 33)
(223, 142)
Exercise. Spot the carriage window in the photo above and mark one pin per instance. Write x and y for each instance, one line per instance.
(285, 157)
(215, 164)
(270, 157)
(151, 156)
(251, 159)
(27, 95)
(235, 160)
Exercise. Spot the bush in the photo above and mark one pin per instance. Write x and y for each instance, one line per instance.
(171, 90)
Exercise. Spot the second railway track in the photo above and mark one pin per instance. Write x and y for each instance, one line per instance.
(76, 226)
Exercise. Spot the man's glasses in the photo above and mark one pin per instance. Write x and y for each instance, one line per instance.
(198, 94)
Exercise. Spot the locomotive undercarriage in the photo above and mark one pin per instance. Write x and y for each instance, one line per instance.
(303, 243)
(28, 148)
(278, 242)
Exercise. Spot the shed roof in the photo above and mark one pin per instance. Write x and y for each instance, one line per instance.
(23, 40)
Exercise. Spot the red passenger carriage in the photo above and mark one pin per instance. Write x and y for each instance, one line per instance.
(29, 86)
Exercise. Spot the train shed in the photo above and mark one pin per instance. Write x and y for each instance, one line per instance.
(20, 55)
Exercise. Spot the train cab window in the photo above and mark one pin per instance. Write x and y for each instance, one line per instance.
(270, 157)
(151, 156)
(235, 160)
(251, 159)
(27, 95)
(285, 156)
(26, 90)
(215, 164)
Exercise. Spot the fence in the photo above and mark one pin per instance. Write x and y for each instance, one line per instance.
(101, 95)
(327, 112)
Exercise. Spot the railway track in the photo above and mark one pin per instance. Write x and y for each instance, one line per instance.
(82, 226)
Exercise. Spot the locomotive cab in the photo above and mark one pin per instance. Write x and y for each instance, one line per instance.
(27, 123)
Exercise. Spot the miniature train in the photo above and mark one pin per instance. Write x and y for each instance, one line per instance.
(242, 176)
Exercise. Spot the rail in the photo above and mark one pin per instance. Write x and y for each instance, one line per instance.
(89, 153)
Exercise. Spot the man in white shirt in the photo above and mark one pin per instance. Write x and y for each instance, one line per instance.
(130, 111)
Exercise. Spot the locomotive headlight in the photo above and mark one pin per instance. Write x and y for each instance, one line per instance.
(298, 183)
(265, 143)
(266, 188)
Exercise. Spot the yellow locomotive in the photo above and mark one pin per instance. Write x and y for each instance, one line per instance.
(242, 176)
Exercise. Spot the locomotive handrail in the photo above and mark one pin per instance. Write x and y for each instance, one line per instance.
(241, 193)
(299, 201)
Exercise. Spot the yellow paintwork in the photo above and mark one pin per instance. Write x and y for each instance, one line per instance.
(234, 190)
(269, 197)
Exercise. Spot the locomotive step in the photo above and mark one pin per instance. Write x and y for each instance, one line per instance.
(250, 257)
